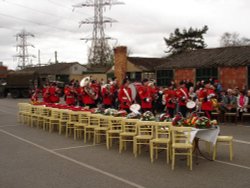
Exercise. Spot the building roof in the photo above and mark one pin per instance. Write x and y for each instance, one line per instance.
(52, 69)
(98, 69)
(146, 64)
(226, 56)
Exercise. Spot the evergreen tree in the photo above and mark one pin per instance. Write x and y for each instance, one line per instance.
(187, 40)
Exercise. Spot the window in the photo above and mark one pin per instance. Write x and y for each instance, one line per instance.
(164, 77)
(149, 75)
(134, 76)
(206, 73)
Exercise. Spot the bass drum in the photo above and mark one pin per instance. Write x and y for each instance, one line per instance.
(133, 91)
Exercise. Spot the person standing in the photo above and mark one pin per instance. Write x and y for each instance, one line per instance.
(125, 95)
(145, 94)
(182, 96)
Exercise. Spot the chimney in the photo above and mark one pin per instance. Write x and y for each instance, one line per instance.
(120, 54)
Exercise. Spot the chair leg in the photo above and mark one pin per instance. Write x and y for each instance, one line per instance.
(107, 141)
(191, 160)
(231, 150)
(152, 152)
(173, 158)
(215, 151)
(120, 144)
(135, 147)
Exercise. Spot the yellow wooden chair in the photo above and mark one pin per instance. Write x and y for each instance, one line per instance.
(35, 115)
(145, 134)
(226, 140)
(82, 122)
(101, 129)
(44, 112)
(94, 121)
(64, 119)
(129, 130)
(22, 109)
(161, 141)
(181, 144)
(73, 119)
(46, 119)
(115, 128)
(27, 114)
(54, 119)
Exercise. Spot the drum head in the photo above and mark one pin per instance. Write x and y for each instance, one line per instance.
(135, 108)
(190, 104)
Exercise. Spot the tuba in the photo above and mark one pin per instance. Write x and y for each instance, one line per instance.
(90, 92)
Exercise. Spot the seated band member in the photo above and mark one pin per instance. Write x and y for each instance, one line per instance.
(125, 95)
(182, 96)
(54, 92)
(70, 95)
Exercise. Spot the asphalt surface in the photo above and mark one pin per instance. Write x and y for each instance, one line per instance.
(31, 157)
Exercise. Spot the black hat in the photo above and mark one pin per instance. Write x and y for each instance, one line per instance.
(144, 80)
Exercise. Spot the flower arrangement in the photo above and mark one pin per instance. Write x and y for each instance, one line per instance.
(148, 116)
(165, 118)
(194, 121)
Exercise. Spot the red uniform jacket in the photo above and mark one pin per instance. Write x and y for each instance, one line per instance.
(182, 95)
(87, 99)
(69, 95)
(107, 96)
(124, 100)
(45, 93)
(53, 95)
(207, 104)
(170, 96)
(145, 94)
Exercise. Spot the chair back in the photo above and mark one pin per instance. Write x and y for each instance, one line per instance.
(73, 117)
(44, 111)
(104, 121)
(162, 130)
(84, 118)
(129, 125)
(115, 123)
(181, 134)
(146, 127)
(55, 113)
(64, 115)
(94, 120)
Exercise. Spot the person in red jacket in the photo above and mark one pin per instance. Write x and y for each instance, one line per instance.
(70, 95)
(145, 94)
(205, 96)
(107, 95)
(89, 95)
(125, 95)
(182, 96)
(54, 93)
(45, 93)
(170, 100)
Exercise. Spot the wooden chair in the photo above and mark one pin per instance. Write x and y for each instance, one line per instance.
(129, 130)
(181, 144)
(64, 119)
(94, 121)
(161, 141)
(101, 129)
(145, 134)
(22, 109)
(115, 128)
(226, 140)
(80, 125)
(73, 119)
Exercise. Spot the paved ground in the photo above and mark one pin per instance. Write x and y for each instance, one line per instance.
(30, 157)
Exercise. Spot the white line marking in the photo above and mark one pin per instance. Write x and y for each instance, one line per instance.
(75, 161)
(75, 147)
(233, 164)
(241, 141)
(8, 126)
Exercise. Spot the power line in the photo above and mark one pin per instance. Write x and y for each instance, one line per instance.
(30, 21)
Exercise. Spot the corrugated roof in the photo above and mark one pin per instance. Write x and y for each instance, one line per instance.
(147, 64)
(52, 69)
(227, 56)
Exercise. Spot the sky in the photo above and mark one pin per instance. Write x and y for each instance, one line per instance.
(141, 25)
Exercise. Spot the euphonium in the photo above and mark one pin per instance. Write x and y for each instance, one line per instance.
(90, 92)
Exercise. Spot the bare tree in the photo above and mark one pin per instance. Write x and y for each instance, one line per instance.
(233, 39)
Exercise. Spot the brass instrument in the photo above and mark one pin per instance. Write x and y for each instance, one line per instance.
(85, 84)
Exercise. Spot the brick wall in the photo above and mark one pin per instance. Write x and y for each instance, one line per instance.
(3, 72)
(183, 74)
(231, 77)
(120, 56)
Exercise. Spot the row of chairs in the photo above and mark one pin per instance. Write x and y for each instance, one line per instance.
(157, 135)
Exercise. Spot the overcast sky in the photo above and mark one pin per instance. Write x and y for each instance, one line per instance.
(141, 25)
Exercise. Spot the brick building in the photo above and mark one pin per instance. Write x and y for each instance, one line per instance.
(229, 65)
